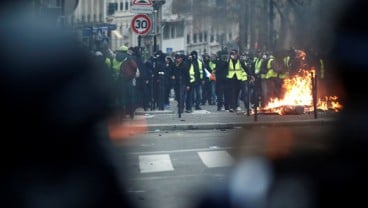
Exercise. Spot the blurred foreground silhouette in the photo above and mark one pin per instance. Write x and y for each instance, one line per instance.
(55, 101)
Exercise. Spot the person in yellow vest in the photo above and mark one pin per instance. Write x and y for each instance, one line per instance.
(208, 89)
(195, 82)
(237, 75)
(256, 68)
(124, 70)
(114, 63)
(263, 78)
(272, 77)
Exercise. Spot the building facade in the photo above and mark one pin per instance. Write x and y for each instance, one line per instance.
(109, 22)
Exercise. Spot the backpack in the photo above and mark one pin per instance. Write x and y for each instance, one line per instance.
(127, 69)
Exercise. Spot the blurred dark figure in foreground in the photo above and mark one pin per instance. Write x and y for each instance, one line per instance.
(55, 99)
(333, 174)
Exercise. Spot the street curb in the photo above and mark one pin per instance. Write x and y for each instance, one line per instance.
(154, 112)
(209, 126)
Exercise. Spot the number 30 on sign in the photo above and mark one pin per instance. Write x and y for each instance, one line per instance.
(141, 24)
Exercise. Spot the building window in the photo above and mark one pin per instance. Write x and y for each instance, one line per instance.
(121, 6)
(180, 29)
(194, 38)
(126, 6)
(230, 36)
(212, 38)
(172, 28)
(188, 39)
(205, 36)
(166, 31)
(200, 37)
(100, 16)
(112, 7)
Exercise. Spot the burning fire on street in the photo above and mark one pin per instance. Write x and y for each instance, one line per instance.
(298, 97)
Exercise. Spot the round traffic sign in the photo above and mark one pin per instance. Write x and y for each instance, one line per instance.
(141, 24)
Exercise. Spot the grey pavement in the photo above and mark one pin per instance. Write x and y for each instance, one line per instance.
(210, 118)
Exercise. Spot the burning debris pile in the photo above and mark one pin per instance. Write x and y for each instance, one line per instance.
(300, 96)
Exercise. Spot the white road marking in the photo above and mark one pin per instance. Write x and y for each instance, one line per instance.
(213, 159)
(180, 150)
(155, 163)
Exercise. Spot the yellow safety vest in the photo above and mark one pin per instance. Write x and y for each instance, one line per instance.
(286, 64)
(287, 61)
(115, 66)
(238, 70)
(192, 73)
(213, 73)
(270, 73)
(257, 65)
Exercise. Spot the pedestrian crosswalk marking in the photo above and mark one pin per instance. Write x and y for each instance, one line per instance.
(213, 159)
(155, 163)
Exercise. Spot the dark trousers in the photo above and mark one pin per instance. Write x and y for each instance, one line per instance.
(220, 93)
(234, 87)
(244, 90)
(159, 92)
(180, 92)
(194, 95)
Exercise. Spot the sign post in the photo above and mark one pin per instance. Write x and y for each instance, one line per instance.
(141, 24)
(142, 7)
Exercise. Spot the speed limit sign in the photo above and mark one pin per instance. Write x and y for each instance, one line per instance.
(141, 24)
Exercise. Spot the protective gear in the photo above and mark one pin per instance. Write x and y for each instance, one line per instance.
(123, 48)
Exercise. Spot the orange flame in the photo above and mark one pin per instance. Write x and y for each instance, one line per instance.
(298, 92)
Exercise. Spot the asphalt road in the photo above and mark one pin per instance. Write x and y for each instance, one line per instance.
(175, 168)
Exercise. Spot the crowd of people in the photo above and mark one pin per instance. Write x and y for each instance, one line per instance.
(56, 139)
(229, 79)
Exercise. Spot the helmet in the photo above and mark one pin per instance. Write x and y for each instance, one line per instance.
(123, 48)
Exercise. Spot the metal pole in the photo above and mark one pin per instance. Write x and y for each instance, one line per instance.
(154, 43)
(248, 98)
(256, 99)
(314, 93)
(179, 97)
(152, 85)
(155, 24)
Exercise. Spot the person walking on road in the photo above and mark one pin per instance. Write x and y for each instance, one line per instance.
(181, 78)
